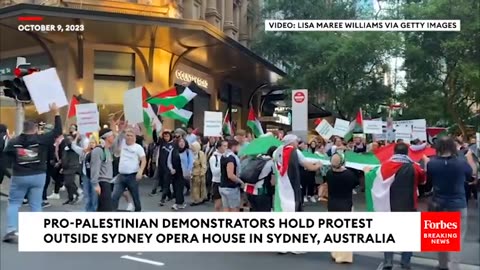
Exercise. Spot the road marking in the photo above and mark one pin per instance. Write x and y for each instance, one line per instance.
(127, 257)
(419, 261)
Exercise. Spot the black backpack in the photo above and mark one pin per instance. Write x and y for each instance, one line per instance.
(252, 170)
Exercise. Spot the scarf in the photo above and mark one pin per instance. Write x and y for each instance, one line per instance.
(401, 159)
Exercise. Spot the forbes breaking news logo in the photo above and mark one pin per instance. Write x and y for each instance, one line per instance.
(441, 231)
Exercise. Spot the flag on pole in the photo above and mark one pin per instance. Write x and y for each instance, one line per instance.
(150, 118)
(178, 101)
(356, 126)
(254, 124)
(72, 107)
(177, 114)
(227, 125)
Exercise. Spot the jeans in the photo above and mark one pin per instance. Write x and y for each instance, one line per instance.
(91, 196)
(22, 185)
(129, 182)
(453, 258)
(388, 259)
(105, 199)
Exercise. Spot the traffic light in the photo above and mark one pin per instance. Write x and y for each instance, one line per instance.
(16, 88)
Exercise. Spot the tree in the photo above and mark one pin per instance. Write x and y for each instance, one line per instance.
(443, 70)
(345, 69)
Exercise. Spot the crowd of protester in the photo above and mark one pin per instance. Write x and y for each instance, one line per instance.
(183, 163)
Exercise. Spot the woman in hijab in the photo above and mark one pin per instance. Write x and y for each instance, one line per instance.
(341, 182)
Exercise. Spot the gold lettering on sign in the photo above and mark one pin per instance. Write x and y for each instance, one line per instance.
(187, 77)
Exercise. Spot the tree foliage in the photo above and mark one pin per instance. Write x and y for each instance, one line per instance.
(443, 68)
(344, 69)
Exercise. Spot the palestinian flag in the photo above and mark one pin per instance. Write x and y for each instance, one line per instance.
(384, 194)
(254, 124)
(287, 196)
(436, 132)
(72, 107)
(356, 126)
(227, 128)
(178, 101)
(150, 118)
(177, 114)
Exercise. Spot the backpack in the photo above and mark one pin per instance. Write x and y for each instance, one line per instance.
(88, 158)
(252, 170)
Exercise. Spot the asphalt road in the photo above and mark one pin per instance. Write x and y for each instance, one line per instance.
(11, 259)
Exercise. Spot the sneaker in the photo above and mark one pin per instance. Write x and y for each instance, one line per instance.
(130, 207)
(46, 204)
(80, 196)
(175, 207)
(182, 206)
(54, 196)
(80, 191)
(313, 200)
(67, 202)
(305, 199)
(63, 188)
(354, 192)
(282, 252)
(25, 202)
(161, 203)
(11, 237)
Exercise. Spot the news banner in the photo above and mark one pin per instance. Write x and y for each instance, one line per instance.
(238, 232)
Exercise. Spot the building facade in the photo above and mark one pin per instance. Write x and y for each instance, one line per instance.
(158, 44)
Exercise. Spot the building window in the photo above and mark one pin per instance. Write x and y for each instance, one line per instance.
(114, 74)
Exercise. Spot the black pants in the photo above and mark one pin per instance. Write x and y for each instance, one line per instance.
(178, 184)
(308, 185)
(58, 178)
(69, 180)
(128, 182)
(260, 203)
(3, 172)
(166, 182)
(105, 203)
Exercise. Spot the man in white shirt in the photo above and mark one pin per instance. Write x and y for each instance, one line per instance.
(130, 169)
(214, 165)
(190, 137)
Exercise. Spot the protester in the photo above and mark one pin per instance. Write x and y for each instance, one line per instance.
(90, 195)
(190, 137)
(101, 170)
(404, 176)
(341, 182)
(337, 147)
(27, 154)
(163, 171)
(260, 195)
(241, 137)
(466, 154)
(3, 142)
(158, 173)
(449, 172)
(132, 163)
(55, 161)
(69, 168)
(230, 182)
(215, 168)
(177, 172)
(199, 188)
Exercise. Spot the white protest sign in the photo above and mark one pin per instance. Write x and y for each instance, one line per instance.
(88, 119)
(212, 125)
(45, 88)
(403, 132)
(342, 127)
(132, 106)
(325, 129)
(419, 130)
(300, 113)
(372, 127)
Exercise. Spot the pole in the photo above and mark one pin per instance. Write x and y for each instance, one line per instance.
(229, 104)
(20, 118)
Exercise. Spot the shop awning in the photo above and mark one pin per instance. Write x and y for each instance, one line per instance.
(212, 49)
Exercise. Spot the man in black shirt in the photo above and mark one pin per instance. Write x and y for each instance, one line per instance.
(230, 183)
(28, 155)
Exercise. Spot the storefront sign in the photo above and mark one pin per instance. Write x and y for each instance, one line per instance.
(185, 75)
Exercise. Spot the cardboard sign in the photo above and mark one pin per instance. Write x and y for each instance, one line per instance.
(88, 118)
(45, 88)
(372, 127)
(403, 132)
(325, 129)
(342, 127)
(212, 126)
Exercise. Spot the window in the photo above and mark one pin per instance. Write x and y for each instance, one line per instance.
(114, 75)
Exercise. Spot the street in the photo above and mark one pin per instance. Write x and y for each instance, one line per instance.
(11, 259)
